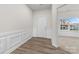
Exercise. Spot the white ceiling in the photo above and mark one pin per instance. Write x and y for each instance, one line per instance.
(39, 6)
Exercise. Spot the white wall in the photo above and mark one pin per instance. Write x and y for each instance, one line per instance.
(42, 13)
(15, 17)
(16, 26)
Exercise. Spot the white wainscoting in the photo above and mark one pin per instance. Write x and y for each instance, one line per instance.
(9, 41)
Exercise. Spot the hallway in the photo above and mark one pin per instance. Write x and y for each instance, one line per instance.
(37, 45)
(28, 26)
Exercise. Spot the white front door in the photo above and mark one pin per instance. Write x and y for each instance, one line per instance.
(42, 26)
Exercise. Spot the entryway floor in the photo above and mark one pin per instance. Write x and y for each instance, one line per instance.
(38, 45)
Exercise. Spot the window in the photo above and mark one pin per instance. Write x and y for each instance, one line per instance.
(70, 23)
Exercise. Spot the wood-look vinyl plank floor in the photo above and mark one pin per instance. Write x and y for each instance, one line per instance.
(38, 45)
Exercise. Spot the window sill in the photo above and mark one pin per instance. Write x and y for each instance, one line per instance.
(68, 33)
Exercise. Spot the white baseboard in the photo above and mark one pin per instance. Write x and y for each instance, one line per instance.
(16, 46)
(55, 45)
(42, 37)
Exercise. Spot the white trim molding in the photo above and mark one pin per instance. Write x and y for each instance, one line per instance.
(55, 25)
